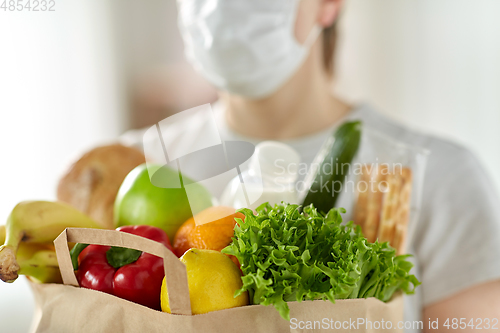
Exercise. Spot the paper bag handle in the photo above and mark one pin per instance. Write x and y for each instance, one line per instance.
(175, 270)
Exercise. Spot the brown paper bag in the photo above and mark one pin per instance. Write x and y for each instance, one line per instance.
(68, 308)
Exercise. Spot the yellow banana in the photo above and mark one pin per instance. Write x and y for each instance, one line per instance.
(36, 222)
(26, 250)
(42, 267)
(33, 260)
(2, 234)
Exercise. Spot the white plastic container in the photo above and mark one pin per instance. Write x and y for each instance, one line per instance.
(270, 177)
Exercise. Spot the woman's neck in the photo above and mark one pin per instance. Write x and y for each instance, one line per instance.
(305, 105)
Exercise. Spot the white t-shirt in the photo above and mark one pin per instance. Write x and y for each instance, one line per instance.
(456, 242)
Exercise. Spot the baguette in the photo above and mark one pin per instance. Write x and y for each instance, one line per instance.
(403, 212)
(383, 210)
(390, 204)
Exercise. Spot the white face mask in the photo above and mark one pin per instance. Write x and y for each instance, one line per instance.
(246, 47)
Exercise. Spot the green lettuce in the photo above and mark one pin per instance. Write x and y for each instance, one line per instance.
(287, 255)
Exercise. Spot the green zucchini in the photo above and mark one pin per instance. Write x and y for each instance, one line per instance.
(327, 177)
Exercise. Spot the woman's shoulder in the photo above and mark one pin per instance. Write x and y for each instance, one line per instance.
(442, 151)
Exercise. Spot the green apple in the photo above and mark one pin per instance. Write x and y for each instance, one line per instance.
(139, 202)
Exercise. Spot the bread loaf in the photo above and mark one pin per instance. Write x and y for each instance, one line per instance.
(91, 183)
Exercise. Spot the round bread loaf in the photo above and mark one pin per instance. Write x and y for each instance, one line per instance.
(91, 183)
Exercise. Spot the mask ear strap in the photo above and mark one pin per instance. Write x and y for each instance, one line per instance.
(313, 36)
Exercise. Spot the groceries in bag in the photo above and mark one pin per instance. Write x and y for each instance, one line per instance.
(278, 254)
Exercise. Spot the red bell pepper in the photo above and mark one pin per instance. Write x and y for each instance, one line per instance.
(126, 273)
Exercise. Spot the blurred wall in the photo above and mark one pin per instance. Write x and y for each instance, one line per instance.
(158, 80)
(432, 64)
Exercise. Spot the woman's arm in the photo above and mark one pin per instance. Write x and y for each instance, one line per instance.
(477, 303)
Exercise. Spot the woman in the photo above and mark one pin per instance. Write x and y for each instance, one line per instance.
(272, 62)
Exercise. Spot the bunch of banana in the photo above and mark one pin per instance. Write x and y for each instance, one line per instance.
(28, 239)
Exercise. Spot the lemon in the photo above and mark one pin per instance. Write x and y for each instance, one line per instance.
(213, 279)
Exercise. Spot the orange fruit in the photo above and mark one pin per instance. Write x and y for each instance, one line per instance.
(211, 229)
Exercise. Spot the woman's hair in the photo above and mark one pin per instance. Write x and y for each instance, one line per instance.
(329, 42)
